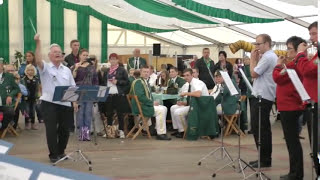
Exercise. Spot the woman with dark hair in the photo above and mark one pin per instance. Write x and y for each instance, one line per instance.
(30, 59)
(116, 79)
(290, 107)
(223, 64)
(84, 73)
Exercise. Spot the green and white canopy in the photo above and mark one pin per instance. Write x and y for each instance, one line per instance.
(186, 22)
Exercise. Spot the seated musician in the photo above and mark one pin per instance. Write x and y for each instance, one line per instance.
(141, 88)
(229, 104)
(8, 91)
(194, 87)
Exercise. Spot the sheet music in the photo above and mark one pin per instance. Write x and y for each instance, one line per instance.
(228, 82)
(70, 94)
(102, 91)
(298, 85)
(10, 171)
(3, 149)
(46, 176)
(246, 80)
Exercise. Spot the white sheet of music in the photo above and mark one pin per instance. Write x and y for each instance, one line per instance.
(246, 79)
(102, 91)
(70, 95)
(228, 82)
(298, 84)
(10, 171)
(46, 176)
(3, 149)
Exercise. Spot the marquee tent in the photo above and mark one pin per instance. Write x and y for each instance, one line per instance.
(183, 25)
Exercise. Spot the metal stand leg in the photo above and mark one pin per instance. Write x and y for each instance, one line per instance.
(258, 173)
(240, 161)
(78, 153)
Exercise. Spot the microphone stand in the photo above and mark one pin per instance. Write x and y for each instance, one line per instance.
(224, 152)
(259, 174)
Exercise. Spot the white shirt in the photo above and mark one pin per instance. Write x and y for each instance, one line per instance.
(264, 85)
(152, 79)
(113, 88)
(216, 91)
(50, 77)
(196, 85)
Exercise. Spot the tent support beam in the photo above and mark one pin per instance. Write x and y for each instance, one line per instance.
(276, 12)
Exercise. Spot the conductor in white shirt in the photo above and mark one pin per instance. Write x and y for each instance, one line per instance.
(55, 113)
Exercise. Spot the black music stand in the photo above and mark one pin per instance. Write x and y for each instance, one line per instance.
(80, 94)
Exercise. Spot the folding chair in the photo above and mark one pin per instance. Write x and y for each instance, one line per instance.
(10, 127)
(137, 124)
(232, 122)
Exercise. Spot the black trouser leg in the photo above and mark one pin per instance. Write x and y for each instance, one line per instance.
(38, 111)
(63, 128)
(8, 114)
(314, 132)
(50, 114)
(55, 119)
(110, 109)
(16, 117)
(290, 124)
(266, 134)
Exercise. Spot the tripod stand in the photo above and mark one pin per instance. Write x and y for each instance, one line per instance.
(224, 152)
(239, 160)
(310, 108)
(259, 174)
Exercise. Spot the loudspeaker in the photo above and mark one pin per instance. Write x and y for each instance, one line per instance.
(156, 49)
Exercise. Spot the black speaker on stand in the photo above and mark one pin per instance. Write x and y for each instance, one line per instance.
(156, 52)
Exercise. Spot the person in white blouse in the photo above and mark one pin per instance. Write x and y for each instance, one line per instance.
(193, 88)
(55, 113)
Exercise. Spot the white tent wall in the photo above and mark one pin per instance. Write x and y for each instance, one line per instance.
(43, 26)
(70, 28)
(15, 26)
(95, 37)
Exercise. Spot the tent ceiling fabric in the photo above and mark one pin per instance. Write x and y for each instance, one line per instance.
(166, 17)
(231, 9)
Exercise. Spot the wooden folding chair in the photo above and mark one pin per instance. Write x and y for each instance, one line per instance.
(137, 124)
(10, 127)
(232, 122)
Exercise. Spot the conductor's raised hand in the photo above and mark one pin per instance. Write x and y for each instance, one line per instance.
(37, 37)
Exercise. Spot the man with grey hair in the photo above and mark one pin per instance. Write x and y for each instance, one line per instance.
(55, 113)
(136, 62)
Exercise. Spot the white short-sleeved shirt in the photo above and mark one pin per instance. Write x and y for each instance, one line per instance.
(50, 77)
(196, 85)
(264, 84)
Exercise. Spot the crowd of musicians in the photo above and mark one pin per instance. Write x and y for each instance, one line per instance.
(264, 69)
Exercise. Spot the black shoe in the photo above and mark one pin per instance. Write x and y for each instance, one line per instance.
(163, 137)
(250, 132)
(253, 162)
(283, 177)
(180, 135)
(262, 165)
(62, 156)
(54, 159)
(174, 133)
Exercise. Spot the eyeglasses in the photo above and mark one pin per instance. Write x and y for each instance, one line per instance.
(288, 49)
(258, 44)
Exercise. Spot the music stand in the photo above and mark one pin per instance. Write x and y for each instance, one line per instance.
(80, 94)
(224, 152)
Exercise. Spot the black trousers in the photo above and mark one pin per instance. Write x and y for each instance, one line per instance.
(266, 134)
(38, 111)
(8, 114)
(118, 103)
(57, 130)
(313, 130)
(290, 124)
(30, 108)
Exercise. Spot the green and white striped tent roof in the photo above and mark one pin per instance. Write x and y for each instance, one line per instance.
(182, 24)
